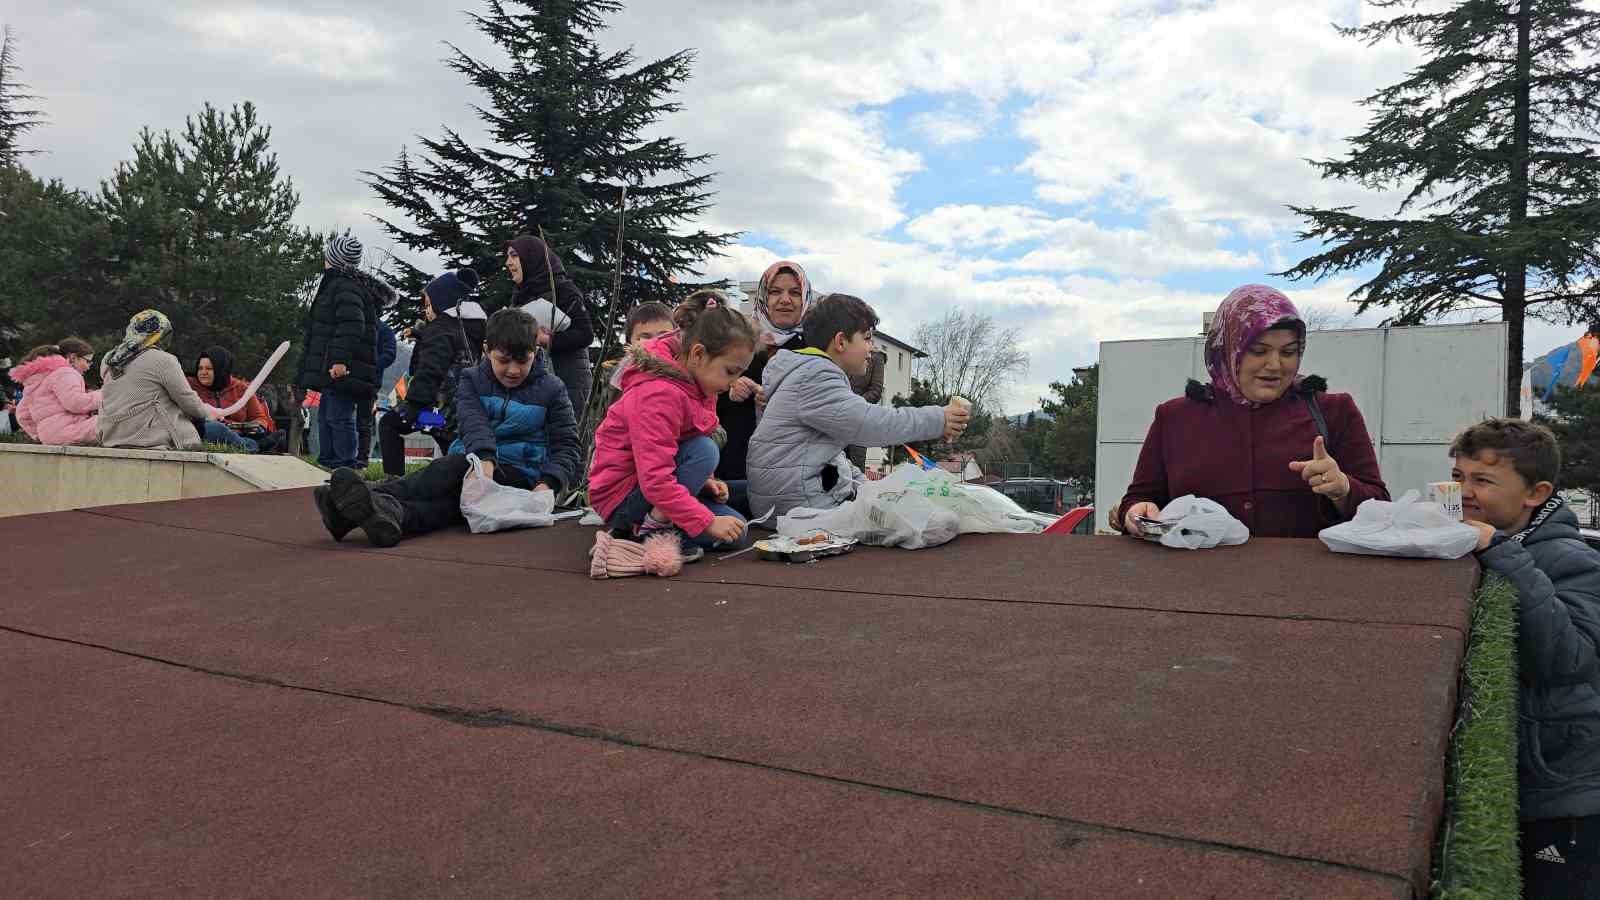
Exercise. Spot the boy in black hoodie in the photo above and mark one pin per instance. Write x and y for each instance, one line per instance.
(449, 339)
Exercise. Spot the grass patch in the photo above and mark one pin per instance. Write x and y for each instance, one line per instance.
(1476, 854)
(16, 437)
(374, 470)
(222, 448)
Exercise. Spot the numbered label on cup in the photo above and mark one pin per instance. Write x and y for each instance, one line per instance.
(1448, 495)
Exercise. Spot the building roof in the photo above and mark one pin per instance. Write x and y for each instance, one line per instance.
(887, 338)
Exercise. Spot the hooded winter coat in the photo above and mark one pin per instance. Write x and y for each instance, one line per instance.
(439, 344)
(529, 427)
(637, 444)
(150, 406)
(56, 407)
(232, 388)
(797, 452)
(342, 328)
(1239, 455)
(1557, 577)
(541, 266)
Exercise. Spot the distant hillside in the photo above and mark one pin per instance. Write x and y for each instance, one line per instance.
(1021, 419)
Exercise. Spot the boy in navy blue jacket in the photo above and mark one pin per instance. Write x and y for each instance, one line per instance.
(1507, 469)
(510, 411)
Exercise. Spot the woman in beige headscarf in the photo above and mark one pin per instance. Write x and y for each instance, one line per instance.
(782, 297)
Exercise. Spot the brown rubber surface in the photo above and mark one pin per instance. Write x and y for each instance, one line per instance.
(1002, 715)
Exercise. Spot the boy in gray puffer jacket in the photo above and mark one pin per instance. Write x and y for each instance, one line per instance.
(797, 452)
(1507, 469)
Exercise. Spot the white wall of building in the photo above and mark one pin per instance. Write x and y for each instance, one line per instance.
(1416, 388)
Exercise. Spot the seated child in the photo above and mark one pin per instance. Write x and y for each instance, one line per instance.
(1507, 469)
(653, 453)
(57, 407)
(797, 452)
(646, 322)
(510, 411)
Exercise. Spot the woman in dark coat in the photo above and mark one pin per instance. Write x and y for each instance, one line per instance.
(1250, 439)
(565, 330)
(782, 297)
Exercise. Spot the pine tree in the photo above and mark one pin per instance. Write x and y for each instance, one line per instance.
(50, 237)
(15, 120)
(200, 226)
(566, 122)
(1575, 419)
(1493, 136)
(1074, 413)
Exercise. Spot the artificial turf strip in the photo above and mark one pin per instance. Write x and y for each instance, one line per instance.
(1477, 854)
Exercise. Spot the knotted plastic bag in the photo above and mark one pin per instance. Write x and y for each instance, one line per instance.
(1196, 523)
(1405, 527)
(913, 508)
(491, 506)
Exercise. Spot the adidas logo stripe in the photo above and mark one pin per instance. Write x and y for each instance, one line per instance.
(1550, 854)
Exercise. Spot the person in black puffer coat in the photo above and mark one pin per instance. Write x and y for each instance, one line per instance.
(339, 357)
(534, 267)
(452, 334)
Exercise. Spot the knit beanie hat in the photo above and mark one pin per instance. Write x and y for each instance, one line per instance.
(451, 288)
(343, 251)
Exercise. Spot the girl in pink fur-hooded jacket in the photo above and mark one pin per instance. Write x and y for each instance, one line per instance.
(57, 407)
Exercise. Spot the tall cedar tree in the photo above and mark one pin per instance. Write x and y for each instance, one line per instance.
(199, 227)
(16, 119)
(566, 122)
(1495, 135)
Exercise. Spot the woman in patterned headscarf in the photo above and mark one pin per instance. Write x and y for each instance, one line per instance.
(1267, 443)
(782, 297)
(147, 401)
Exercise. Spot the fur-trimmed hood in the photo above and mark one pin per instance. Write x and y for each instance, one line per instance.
(656, 358)
(383, 294)
(37, 368)
(1303, 385)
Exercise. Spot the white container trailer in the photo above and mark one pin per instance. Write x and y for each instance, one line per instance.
(1416, 388)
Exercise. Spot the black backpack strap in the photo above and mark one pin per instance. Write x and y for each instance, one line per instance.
(1316, 416)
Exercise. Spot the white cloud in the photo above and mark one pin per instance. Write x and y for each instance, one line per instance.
(336, 47)
(1158, 138)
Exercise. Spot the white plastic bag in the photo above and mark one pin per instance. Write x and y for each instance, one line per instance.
(1197, 523)
(1405, 527)
(913, 508)
(491, 506)
(545, 314)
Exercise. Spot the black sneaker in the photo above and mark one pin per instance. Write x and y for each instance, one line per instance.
(377, 514)
(337, 525)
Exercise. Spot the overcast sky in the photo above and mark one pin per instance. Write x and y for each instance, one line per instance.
(1086, 171)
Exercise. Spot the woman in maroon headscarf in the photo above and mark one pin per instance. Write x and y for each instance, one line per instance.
(1250, 439)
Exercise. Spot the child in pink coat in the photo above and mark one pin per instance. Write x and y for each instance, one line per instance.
(653, 454)
(57, 407)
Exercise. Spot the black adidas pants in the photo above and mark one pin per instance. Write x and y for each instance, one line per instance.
(1561, 859)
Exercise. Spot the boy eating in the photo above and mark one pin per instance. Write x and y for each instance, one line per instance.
(1507, 469)
(511, 412)
(797, 452)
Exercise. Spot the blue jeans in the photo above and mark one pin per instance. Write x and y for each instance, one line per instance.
(696, 460)
(214, 432)
(336, 431)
